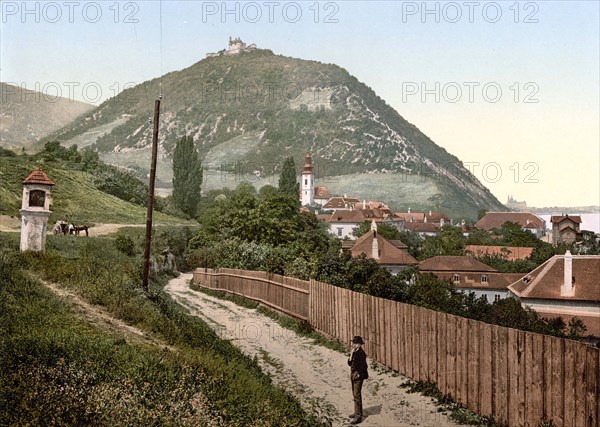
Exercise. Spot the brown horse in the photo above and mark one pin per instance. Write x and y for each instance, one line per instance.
(78, 228)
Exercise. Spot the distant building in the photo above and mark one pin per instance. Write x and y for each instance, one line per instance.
(341, 203)
(423, 229)
(470, 275)
(513, 205)
(492, 221)
(236, 46)
(566, 286)
(565, 228)
(511, 253)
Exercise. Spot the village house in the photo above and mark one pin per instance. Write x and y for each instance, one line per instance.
(493, 221)
(566, 286)
(342, 222)
(423, 229)
(393, 256)
(565, 229)
(470, 275)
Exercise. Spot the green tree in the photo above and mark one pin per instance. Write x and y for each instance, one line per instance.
(288, 183)
(187, 176)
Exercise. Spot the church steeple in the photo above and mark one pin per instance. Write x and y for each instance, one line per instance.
(308, 182)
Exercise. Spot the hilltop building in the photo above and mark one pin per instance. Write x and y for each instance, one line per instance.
(513, 205)
(236, 46)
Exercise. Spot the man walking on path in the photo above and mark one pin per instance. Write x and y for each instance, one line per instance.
(358, 373)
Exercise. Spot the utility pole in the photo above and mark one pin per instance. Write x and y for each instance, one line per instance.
(148, 241)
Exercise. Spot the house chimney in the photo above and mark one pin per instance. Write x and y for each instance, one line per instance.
(375, 246)
(567, 290)
(430, 212)
(364, 204)
(409, 210)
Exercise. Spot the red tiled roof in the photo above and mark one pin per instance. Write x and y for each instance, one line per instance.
(495, 220)
(322, 193)
(340, 202)
(473, 280)
(512, 253)
(557, 219)
(411, 216)
(38, 176)
(436, 217)
(389, 254)
(454, 264)
(422, 227)
(546, 280)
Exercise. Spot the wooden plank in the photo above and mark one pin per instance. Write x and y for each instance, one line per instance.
(485, 369)
(501, 392)
(580, 380)
(451, 356)
(462, 361)
(569, 374)
(442, 338)
(388, 333)
(548, 391)
(409, 342)
(473, 366)
(433, 344)
(513, 377)
(557, 379)
(521, 375)
(401, 338)
(394, 326)
(534, 379)
(592, 386)
(416, 344)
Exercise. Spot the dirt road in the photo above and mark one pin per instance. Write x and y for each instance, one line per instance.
(316, 375)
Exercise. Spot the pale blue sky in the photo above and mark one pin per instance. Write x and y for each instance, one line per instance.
(386, 45)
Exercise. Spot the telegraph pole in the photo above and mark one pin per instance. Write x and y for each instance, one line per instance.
(148, 241)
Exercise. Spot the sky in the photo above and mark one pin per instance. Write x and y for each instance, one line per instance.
(510, 88)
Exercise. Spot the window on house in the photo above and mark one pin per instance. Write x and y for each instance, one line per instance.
(340, 231)
(496, 298)
(305, 181)
(484, 279)
(456, 278)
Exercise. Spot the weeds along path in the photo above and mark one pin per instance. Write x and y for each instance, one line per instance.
(317, 376)
(101, 318)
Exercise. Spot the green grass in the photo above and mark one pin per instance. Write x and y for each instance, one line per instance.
(60, 369)
(74, 197)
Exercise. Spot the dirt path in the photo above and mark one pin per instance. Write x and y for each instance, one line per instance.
(316, 375)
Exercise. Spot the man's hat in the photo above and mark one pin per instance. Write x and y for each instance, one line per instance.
(357, 340)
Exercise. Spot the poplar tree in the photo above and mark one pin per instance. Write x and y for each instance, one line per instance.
(288, 183)
(187, 176)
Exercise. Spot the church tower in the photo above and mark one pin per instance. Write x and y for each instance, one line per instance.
(307, 186)
(35, 210)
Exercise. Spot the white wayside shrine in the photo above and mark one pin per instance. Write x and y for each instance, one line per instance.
(35, 210)
(308, 183)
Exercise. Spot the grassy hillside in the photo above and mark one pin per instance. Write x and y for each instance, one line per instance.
(64, 364)
(74, 197)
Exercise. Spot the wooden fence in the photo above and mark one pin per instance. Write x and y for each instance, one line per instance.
(516, 377)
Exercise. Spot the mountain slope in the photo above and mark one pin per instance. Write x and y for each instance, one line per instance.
(248, 112)
(27, 116)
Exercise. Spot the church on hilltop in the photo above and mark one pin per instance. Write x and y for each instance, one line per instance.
(236, 46)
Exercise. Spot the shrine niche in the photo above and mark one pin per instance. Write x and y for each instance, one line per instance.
(37, 198)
